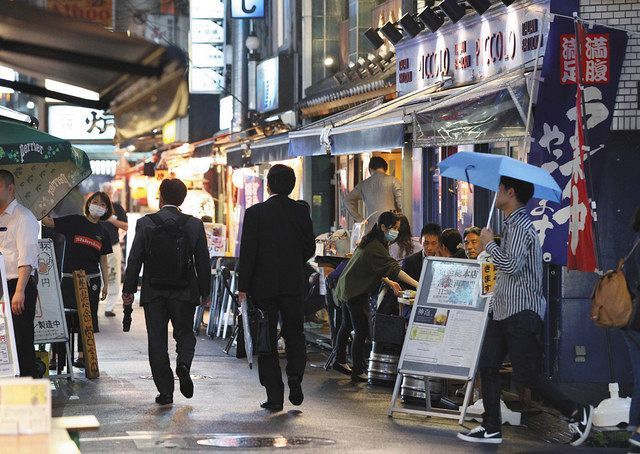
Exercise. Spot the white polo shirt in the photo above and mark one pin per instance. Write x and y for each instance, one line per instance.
(19, 231)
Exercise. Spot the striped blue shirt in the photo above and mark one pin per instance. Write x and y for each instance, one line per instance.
(519, 264)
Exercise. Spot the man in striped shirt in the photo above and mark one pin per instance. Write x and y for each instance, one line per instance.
(515, 323)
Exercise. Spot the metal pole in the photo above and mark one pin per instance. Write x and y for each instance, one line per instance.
(239, 84)
(493, 208)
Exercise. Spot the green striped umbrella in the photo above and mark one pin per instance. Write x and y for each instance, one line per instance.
(45, 167)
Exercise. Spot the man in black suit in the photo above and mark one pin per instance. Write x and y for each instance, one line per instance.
(277, 240)
(169, 301)
(431, 244)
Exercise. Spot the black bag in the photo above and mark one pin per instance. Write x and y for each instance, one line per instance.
(169, 261)
(259, 326)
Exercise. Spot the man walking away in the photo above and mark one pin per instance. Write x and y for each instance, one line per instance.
(113, 225)
(515, 323)
(177, 277)
(19, 246)
(277, 240)
(380, 192)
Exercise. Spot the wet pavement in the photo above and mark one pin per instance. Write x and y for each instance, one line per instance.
(224, 414)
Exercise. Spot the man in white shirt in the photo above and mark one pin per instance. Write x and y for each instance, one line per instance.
(19, 246)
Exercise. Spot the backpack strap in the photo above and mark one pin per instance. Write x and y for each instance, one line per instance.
(156, 219)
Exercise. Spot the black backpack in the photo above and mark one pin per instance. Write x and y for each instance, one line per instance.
(169, 261)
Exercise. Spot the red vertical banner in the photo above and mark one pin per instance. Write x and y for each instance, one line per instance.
(581, 250)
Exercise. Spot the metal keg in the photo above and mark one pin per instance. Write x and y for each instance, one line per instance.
(412, 390)
(383, 364)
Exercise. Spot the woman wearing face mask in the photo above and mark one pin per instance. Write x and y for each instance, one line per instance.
(370, 263)
(86, 248)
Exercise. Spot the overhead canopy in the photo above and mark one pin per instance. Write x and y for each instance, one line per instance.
(141, 82)
(268, 149)
(495, 111)
(307, 141)
(380, 128)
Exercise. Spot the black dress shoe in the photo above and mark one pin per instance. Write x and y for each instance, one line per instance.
(164, 399)
(79, 363)
(186, 385)
(295, 391)
(271, 406)
(109, 314)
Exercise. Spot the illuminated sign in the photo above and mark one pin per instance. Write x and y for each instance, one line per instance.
(473, 49)
(274, 84)
(206, 46)
(247, 9)
(79, 123)
(100, 11)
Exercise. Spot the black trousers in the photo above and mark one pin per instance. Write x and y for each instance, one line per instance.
(290, 309)
(355, 313)
(23, 326)
(520, 337)
(157, 315)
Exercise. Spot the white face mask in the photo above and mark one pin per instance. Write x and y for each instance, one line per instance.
(96, 210)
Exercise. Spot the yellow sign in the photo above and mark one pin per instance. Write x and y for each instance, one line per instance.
(169, 132)
(99, 11)
(488, 278)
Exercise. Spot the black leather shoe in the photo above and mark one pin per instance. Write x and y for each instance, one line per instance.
(79, 363)
(109, 314)
(271, 406)
(164, 399)
(295, 391)
(186, 385)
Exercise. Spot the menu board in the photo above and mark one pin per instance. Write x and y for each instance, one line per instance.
(447, 322)
(49, 324)
(8, 355)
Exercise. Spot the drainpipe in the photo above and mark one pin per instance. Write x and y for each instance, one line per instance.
(239, 84)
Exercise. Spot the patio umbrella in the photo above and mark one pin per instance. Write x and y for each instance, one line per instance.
(485, 170)
(45, 167)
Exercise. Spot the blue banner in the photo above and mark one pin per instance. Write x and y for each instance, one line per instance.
(554, 141)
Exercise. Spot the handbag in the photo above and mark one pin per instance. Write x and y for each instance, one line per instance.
(612, 300)
(259, 325)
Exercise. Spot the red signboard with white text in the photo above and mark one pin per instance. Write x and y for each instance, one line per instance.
(99, 11)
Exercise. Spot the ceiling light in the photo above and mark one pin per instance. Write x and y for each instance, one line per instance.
(453, 10)
(481, 6)
(390, 31)
(431, 19)
(373, 37)
(410, 25)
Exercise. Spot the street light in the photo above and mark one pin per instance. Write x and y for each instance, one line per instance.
(390, 31)
(453, 10)
(431, 19)
(481, 6)
(373, 37)
(252, 42)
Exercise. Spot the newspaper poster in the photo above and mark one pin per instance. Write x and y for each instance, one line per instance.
(216, 238)
(49, 323)
(447, 322)
(8, 355)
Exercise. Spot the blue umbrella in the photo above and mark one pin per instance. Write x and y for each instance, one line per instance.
(485, 170)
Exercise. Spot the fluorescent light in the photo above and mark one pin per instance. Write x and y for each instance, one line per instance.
(8, 113)
(71, 90)
(7, 74)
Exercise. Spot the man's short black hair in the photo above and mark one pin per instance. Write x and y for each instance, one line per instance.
(431, 229)
(523, 189)
(376, 163)
(173, 191)
(473, 229)
(281, 179)
(7, 177)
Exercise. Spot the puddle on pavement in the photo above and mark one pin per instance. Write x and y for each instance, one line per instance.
(250, 441)
(193, 377)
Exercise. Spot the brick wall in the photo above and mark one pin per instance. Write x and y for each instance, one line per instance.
(624, 14)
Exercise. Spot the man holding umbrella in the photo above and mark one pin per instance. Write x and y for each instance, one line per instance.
(515, 324)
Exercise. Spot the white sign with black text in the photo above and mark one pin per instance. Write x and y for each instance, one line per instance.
(475, 48)
(49, 324)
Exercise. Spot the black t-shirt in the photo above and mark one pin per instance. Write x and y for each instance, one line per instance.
(85, 243)
(111, 229)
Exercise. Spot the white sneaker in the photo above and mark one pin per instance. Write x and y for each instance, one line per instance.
(480, 435)
(581, 425)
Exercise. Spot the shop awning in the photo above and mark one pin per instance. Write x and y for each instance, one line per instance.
(307, 140)
(495, 111)
(381, 128)
(264, 150)
(142, 83)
